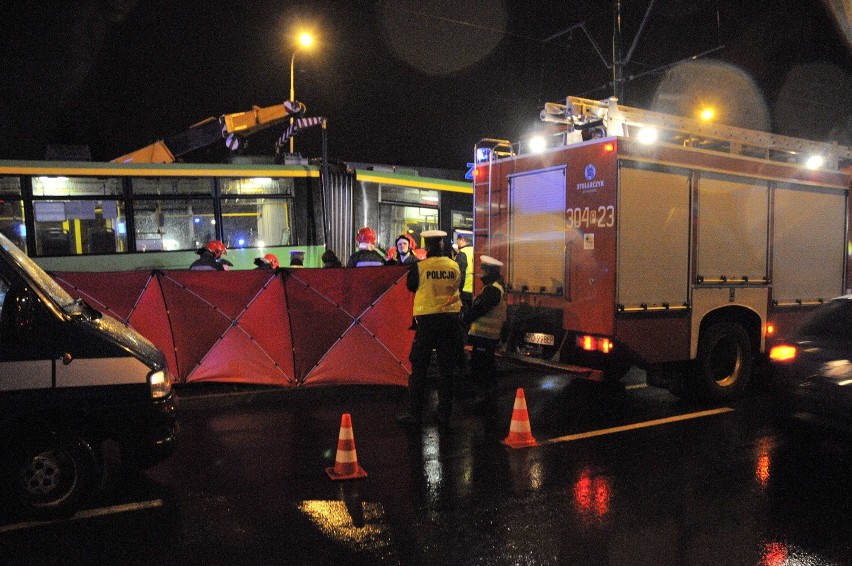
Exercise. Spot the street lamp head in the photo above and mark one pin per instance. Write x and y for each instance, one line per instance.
(305, 39)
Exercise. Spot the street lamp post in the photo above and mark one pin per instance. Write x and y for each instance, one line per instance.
(305, 40)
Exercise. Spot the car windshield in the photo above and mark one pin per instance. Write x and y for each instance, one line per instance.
(832, 320)
(37, 274)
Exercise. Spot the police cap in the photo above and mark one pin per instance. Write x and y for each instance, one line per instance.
(433, 234)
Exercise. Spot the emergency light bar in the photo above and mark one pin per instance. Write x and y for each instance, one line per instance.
(594, 344)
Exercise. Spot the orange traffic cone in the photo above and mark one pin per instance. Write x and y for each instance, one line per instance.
(520, 435)
(346, 462)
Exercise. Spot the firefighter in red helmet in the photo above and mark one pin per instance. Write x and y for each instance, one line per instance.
(268, 262)
(404, 251)
(366, 256)
(211, 257)
(366, 234)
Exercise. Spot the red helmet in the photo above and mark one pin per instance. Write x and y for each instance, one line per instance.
(366, 235)
(216, 247)
(271, 260)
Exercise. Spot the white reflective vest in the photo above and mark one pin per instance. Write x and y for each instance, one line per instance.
(490, 324)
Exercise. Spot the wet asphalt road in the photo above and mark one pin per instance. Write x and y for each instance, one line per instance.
(616, 480)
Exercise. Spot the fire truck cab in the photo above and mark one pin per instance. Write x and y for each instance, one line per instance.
(637, 238)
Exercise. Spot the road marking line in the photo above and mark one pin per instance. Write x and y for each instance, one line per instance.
(86, 514)
(636, 386)
(656, 422)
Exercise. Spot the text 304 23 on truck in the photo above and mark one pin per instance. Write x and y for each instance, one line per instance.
(679, 246)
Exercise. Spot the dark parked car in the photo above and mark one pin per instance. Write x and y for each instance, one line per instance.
(813, 367)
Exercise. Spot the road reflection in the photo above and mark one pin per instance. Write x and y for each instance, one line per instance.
(592, 495)
(764, 450)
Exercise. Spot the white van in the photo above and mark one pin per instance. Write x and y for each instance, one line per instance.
(71, 379)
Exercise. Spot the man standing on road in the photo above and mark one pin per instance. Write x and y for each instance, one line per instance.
(435, 284)
(486, 317)
(464, 257)
(465, 261)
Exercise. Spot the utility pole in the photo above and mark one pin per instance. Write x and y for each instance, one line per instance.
(617, 61)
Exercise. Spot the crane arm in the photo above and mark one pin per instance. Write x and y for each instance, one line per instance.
(211, 130)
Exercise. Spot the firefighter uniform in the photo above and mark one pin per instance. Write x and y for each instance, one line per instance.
(435, 283)
(207, 263)
(366, 255)
(365, 258)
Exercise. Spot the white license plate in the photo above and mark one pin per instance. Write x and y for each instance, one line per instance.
(540, 338)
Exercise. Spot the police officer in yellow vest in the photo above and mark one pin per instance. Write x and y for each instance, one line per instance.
(435, 284)
(465, 261)
(486, 317)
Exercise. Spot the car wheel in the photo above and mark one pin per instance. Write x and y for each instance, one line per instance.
(52, 477)
(723, 365)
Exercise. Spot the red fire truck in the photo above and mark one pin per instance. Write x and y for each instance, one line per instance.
(671, 244)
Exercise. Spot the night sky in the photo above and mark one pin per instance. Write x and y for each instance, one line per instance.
(404, 82)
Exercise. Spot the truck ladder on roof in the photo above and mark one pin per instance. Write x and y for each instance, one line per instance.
(581, 113)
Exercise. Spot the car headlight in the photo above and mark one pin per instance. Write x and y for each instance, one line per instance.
(160, 384)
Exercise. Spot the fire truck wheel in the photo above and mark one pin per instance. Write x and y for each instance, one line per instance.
(724, 361)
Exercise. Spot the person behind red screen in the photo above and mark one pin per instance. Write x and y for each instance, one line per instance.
(211, 257)
(366, 256)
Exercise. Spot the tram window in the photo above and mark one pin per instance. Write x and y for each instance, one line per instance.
(172, 186)
(462, 220)
(10, 186)
(257, 222)
(76, 186)
(396, 219)
(257, 186)
(182, 224)
(76, 227)
(410, 195)
(12, 223)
